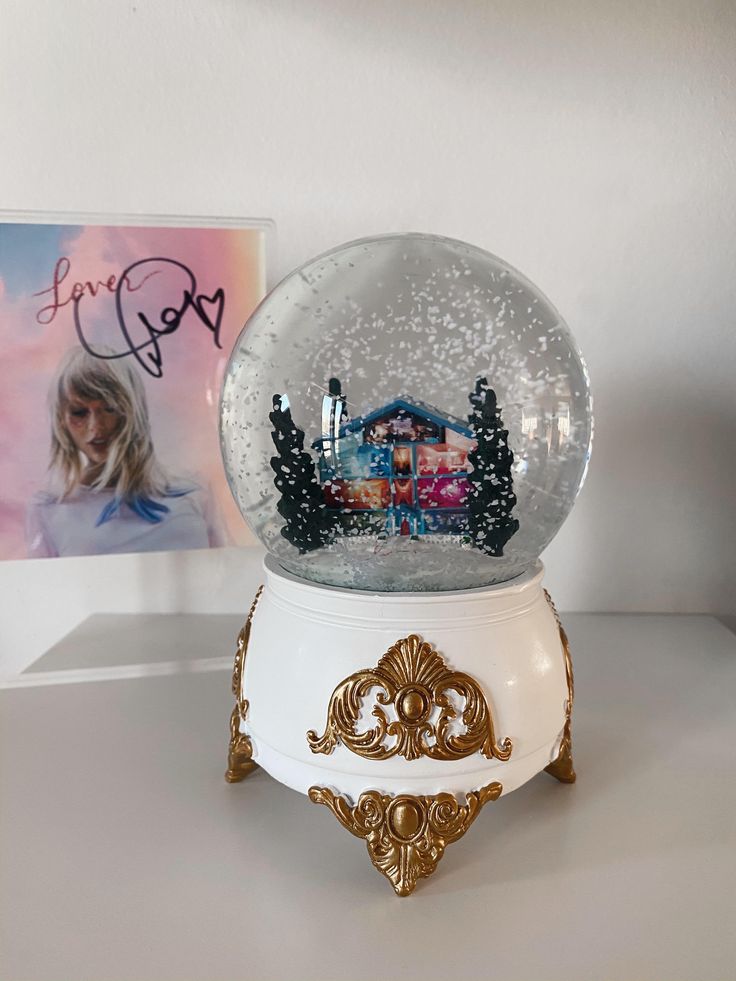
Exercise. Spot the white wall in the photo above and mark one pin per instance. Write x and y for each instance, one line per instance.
(591, 144)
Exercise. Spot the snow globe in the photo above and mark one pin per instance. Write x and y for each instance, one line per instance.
(405, 424)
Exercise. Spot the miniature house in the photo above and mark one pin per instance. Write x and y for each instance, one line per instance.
(401, 469)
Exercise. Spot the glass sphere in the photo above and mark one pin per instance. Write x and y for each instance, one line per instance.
(406, 413)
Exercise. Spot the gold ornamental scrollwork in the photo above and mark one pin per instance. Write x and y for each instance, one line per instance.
(406, 836)
(240, 751)
(414, 679)
(562, 766)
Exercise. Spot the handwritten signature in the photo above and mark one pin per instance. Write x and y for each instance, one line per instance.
(61, 270)
(208, 309)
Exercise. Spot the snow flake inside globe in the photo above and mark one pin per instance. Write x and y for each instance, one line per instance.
(406, 413)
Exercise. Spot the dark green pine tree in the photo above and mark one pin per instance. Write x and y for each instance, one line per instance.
(476, 399)
(308, 521)
(491, 499)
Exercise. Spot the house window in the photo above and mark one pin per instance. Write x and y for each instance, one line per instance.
(358, 495)
(442, 492)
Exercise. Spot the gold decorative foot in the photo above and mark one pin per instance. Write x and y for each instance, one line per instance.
(406, 836)
(240, 753)
(561, 766)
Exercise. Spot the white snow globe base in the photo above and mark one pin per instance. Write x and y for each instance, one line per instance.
(404, 713)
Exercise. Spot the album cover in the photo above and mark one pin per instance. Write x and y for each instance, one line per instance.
(114, 339)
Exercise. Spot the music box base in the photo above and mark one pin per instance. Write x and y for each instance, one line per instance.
(403, 713)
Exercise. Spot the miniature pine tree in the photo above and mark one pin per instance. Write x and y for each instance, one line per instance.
(308, 522)
(476, 399)
(491, 499)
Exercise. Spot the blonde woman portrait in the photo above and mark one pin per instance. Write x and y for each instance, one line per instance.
(107, 491)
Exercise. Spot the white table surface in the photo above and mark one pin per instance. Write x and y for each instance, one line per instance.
(125, 855)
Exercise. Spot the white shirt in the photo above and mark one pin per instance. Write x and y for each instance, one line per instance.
(68, 527)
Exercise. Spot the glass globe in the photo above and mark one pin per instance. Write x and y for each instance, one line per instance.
(406, 413)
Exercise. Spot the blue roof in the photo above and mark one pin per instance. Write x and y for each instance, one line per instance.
(415, 407)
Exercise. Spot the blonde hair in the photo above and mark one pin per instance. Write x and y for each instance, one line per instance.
(131, 468)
